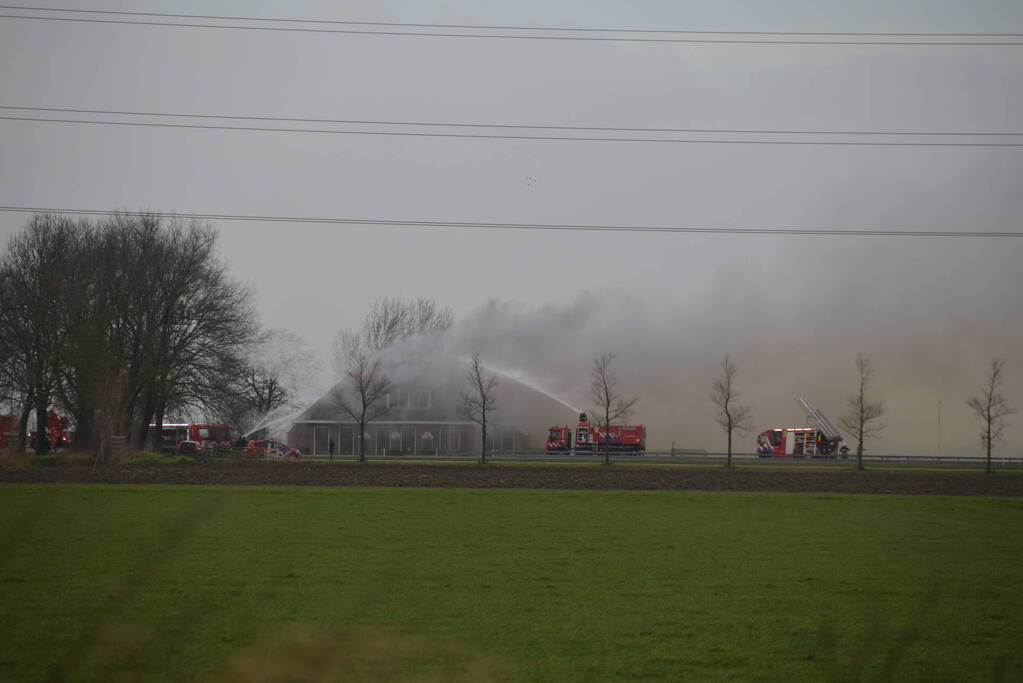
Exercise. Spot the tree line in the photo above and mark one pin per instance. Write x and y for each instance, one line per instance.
(862, 419)
(362, 393)
(130, 319)
(122, 322)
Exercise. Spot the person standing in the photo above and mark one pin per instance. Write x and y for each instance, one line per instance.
(331, 447)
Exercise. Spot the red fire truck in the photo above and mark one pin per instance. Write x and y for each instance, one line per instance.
(8, 428)
(819, 441)
(56, 430)
(201, 434)
(590, 437)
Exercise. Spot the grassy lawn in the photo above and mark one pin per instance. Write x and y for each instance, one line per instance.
(182, 583)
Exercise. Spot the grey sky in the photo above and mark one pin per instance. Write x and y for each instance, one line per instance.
(314, 280)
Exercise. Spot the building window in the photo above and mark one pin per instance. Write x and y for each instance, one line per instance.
(450, 439)
(401, 398)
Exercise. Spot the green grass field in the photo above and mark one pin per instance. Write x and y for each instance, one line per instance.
(216, 583)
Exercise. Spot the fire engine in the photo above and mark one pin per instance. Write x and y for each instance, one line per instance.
(202, 434)
(588, 437)
(56, 430)
(8, 427)
(822, 440)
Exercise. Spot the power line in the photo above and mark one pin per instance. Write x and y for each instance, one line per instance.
(507, 36)
(588, 227)
(516, 126)
(494, 136)
(481, 27)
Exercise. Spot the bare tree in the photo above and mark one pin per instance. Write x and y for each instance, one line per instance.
(731, 416)
(107, 400)
(13, 397)
(479, 401)
(264, 390)
(355, 355)
(114, 324)
(32, 320)
(390, 319)
(15, 384)
(991, 408)
(347, 347)
(363, 390)
(205, 326)
(118, 322)
(277, 368)
(611, 405)
(863, 419)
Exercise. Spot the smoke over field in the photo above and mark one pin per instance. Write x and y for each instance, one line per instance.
(929, 328)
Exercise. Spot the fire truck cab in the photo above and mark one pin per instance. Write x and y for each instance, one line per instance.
(559, 439)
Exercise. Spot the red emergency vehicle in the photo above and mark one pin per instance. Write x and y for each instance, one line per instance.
(795, 441)
(589, 437)
(201, 434)
(56, 430)
(8, 428)
(822, 440)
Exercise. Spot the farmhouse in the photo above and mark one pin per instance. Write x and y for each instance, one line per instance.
(423, 418)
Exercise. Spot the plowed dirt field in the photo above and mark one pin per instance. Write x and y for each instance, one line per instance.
(909, 482)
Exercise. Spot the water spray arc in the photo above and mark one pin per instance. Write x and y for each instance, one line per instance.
(523, 378)
(274, 419)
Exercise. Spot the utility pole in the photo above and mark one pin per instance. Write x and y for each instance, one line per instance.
(939, 427)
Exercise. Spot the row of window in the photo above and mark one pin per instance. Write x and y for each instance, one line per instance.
(400, 398)
(383, 440)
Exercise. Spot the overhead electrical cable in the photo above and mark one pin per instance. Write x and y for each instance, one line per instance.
(514, 126)
(824, 232)
(617, 37)
(497, 136)
(491, 27)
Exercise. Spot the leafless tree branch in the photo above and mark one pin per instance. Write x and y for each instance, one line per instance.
(137, 305)
(731, 416)
(390, 319)
(480, 401)
(611, 404)
(862, 420)
(991, 408)
(363, 390)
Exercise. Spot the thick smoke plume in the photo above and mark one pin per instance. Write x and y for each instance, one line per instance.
(929, 329)
(793, 322)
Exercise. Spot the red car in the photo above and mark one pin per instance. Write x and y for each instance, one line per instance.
(271, 450)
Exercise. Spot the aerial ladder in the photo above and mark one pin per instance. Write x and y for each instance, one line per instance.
(831, 436)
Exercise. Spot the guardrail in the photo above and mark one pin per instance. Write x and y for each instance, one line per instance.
(688, 457)
(851, 459)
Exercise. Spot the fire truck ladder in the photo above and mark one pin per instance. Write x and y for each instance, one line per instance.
(823, 423)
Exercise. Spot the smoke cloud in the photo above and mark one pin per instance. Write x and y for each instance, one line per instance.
(793, 323)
